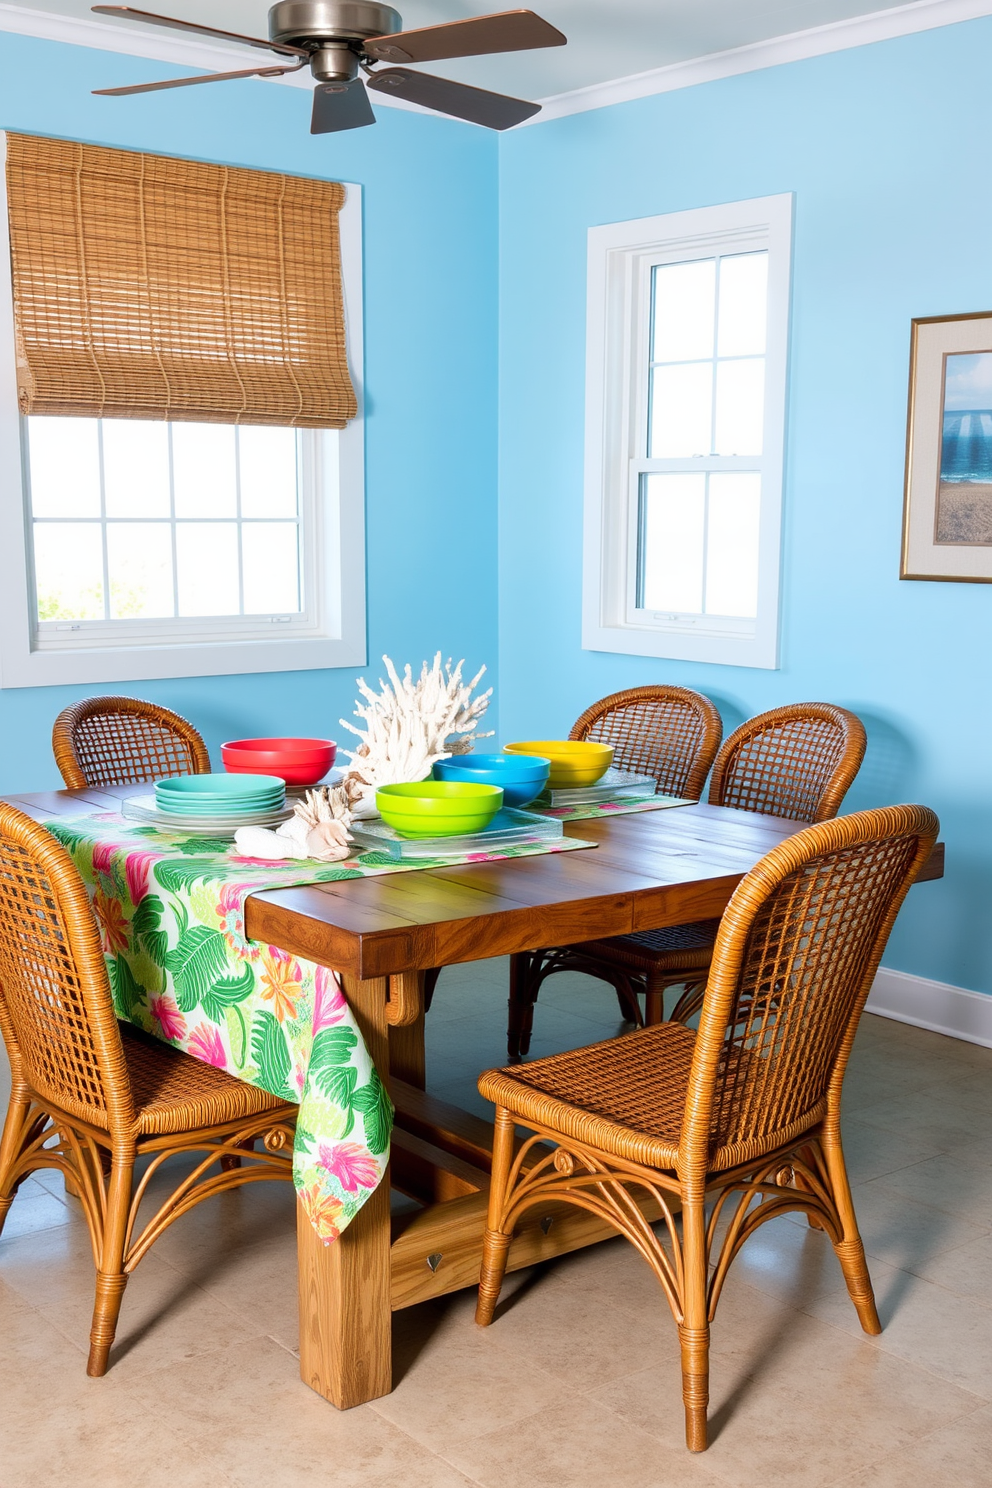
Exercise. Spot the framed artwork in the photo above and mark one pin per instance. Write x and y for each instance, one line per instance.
(947, 515)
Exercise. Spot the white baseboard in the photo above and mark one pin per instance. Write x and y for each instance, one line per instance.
(936, 1006)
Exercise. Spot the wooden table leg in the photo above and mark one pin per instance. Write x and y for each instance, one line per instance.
(345, 1306)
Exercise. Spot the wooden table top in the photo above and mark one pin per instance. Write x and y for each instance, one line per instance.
(649, 869)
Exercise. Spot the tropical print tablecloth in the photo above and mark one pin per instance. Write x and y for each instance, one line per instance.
(171, 913)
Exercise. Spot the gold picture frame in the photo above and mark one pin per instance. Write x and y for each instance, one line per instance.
(947, 506)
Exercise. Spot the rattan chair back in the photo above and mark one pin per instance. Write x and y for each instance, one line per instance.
(671, 733)
(124, 741)
(798, 946)
(797, 762)
(53, 978)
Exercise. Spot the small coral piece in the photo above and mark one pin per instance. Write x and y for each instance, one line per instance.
(321, 820)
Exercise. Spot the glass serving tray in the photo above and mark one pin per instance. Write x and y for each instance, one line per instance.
(508, 828)
(615, 785)
(143, 809)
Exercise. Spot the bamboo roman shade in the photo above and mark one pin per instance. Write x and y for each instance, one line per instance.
(153, 288)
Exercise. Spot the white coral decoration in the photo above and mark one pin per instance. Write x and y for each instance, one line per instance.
(409, 725)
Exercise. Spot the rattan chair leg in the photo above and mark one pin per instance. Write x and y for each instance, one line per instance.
(799, 1182)
(10, 1150)
(496, 1242)
(520, 1006)
(689, 1003)
(851, 1254)
(630, 1008)
(655, 987)
(230, 1162)
(694, 1331)
(850, 1250)
(111, 1278)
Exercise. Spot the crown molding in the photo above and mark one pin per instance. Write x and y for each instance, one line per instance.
(818, 41)
(106, 36)
(838, 36)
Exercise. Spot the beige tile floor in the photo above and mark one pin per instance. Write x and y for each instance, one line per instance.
(577, 1382)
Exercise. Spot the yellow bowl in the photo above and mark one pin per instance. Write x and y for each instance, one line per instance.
(574, 762)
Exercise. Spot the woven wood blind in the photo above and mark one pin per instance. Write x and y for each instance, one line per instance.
(153, 288)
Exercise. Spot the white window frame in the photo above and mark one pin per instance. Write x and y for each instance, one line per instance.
(621, 257)
(330, 633)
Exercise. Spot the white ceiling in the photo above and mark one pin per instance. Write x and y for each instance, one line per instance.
(607, 39)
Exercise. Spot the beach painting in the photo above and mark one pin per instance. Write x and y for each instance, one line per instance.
(947, 508)
(964, 491)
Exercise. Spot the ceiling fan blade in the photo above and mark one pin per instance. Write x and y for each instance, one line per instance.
(494, 110)
(128, 13)
(509, 31)
(209, 77)
(338, 106)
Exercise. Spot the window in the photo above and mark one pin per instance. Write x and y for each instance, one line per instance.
(150, 522)
(160, 547)
(688, 319)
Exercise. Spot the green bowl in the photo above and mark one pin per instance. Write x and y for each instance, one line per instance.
(438, 808)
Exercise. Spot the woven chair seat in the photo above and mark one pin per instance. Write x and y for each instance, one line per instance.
(676, 948)
(173, 1092)
(626, 1096)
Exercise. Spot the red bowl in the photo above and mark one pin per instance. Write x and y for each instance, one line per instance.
(297, 761)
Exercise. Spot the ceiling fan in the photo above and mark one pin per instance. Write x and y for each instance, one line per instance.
(337, 37)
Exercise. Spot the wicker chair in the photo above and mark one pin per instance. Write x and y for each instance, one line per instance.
(124, 741)
(797, 762)
(671, 733)
(105, 1090)
(746, 1112)
(668, 732)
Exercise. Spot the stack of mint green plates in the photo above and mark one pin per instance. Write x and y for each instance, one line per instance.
(215, 797)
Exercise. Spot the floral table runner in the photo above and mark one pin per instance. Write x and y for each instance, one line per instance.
(171, 909)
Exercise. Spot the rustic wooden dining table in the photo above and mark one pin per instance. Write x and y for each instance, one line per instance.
(381, 934)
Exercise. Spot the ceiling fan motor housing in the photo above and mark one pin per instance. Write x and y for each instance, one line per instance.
(333, 30)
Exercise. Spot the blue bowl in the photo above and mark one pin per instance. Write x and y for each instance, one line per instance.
(520, 778)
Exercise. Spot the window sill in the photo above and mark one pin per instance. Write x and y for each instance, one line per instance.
(758, 649)
(133, 663)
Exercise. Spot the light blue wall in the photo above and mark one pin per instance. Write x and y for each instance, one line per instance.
(886, 149)
(430, 370)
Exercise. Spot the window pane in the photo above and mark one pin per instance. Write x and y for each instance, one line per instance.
(68, 564)
(139, 563)
(64, 457)
(268, 471)
(732, 544)
(272, 568)
(740, 407)
(681, 410)
(670, 560)
(204, 471)
(136, 468)
(743, 305)
(684, 299)
(207, 568)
